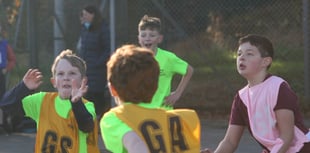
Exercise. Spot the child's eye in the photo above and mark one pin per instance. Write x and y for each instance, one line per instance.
(72, 73)
(60, 73)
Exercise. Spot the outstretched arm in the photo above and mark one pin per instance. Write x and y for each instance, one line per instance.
(174, 96)
(231, 140)
(31, 81)
(285, 123)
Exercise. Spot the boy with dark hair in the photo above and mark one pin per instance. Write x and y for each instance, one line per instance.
(150, 35)
(135, 126)
(267, 106)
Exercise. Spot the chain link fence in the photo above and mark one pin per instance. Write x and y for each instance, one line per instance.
(205, 33)
(202, 32)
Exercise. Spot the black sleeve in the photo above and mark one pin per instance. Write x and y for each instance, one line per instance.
(15, 94)
(83, 117)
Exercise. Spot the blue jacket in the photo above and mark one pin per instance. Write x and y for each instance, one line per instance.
(3, 53)
(95, 50)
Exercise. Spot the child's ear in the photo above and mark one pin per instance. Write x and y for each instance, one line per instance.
(112, 90)
(161, 37)
(53, 82)
(267, 61)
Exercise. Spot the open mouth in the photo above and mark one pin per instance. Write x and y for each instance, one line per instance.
(242, 66)
(148, 45)
(66, 86)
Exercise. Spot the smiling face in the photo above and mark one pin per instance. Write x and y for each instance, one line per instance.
(149, 38)
(250, 63)
(62, 79)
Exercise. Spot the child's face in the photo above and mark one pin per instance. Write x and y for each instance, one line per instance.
(249, 61)
(62, 79)
(149, 38)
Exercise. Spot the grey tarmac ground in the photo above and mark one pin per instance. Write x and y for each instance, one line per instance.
(212, 133)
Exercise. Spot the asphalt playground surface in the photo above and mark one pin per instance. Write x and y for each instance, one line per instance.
(212, 131)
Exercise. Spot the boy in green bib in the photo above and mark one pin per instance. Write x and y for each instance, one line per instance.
(135, 126)
(65, 121)
(150, 35)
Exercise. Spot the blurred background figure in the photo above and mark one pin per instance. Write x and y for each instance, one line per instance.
(7, 63)
(95, 50)
(7, 58)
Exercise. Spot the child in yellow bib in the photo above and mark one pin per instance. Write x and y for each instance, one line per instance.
(135, 126)
(65, 121)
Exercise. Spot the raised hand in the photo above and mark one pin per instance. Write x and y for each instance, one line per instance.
(33, 79)
(77, 93)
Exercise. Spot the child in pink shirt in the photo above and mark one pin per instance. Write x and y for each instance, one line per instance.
(267, 106)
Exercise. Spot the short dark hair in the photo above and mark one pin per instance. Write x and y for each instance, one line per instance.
(134, 73)
(148, 22)
(262, 43)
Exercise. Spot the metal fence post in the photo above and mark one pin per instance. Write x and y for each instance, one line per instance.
(59, 27)
(306, 47)
(112, 34)
(32, 32)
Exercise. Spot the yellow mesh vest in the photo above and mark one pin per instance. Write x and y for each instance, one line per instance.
(59, 135)
(92, 138)
(174, 131)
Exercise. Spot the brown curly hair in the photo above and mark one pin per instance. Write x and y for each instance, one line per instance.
(133, 72)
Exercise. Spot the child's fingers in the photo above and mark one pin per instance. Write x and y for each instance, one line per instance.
(84, 85)
(27, 74)
(33, 74)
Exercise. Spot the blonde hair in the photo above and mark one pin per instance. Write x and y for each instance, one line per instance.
(73, 59)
